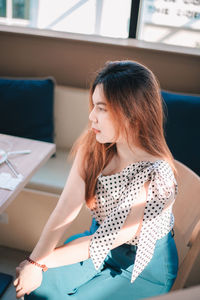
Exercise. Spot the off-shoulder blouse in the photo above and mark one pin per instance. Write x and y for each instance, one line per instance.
(117, 193)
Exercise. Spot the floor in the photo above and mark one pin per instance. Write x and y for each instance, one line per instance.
(9, 259)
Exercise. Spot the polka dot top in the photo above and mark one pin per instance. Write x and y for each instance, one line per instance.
(117, 193)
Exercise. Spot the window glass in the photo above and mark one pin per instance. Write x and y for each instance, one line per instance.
(20, 9)
(99, 17)
(170, 21)
(72, 15)
(115, 18)
(2, 8)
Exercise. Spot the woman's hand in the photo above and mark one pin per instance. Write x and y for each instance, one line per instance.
(29, 278)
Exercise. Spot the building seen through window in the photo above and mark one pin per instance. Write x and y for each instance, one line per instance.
(20, 9)
(15, 12)
(3, 8)
(174, 22)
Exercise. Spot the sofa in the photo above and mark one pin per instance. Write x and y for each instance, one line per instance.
(68, 116)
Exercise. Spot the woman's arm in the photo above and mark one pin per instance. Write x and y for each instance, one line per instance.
(66, 210)
(78, 250)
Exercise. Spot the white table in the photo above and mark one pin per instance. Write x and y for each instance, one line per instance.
(25, 164)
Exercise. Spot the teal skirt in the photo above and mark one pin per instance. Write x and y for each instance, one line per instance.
(81, 281)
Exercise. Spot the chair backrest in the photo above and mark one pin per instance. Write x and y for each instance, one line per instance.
(182, 127)
(186, 208)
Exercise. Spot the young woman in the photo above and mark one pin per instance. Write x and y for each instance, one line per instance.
(124, 172)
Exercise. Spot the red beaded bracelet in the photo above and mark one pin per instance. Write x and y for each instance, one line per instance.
(43, 267)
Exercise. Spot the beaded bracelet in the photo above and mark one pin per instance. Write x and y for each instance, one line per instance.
(43, 267)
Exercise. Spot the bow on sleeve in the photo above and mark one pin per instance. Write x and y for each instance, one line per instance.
(161, 188)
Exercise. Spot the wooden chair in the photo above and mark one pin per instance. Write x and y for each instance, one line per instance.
(187, 222)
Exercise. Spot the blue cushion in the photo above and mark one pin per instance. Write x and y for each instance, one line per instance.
(27, 108)
(182, 128)
(5, 280)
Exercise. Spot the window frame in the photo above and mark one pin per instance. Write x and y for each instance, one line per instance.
(134, 14)
(130, 41)
(9, 19)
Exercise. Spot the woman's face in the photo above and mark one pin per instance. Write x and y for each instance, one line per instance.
(100, 117)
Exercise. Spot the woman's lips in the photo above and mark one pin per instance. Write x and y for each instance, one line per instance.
(95, 130)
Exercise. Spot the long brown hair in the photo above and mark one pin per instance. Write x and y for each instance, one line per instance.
(133, 94)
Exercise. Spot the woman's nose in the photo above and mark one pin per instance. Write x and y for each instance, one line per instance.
(92, 116)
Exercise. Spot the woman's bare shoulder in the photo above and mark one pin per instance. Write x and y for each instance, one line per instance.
(115, 166)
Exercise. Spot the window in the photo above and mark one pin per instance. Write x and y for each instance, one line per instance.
(20, 9)
(174, 22)
(2, 8)
(163, 21)
(15, 12)
(100, 17)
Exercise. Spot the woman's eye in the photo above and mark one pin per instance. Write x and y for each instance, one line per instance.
(101, 109)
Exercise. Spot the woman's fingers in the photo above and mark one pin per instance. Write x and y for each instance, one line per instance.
(18, 288)
(29, 278)
(16, 281)
(20, 294)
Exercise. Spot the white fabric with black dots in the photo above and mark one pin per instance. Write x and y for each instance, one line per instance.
(116, 194)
